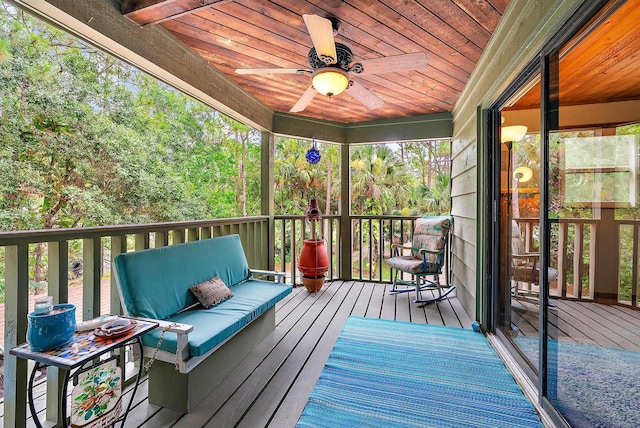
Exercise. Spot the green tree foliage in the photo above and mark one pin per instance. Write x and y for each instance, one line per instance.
(88, 140)
(297, 181)
(406, 178)
(386, 179)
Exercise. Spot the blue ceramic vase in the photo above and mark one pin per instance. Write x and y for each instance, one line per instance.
(49, 331)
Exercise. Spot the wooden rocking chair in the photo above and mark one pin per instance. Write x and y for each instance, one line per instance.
(525, 268)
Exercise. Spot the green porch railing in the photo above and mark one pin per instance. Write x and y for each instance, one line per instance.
(291, 231)
(597, 259)
(99, 245)
(371, 239)
(601, 255)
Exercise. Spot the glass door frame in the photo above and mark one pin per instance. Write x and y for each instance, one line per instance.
(546, 65)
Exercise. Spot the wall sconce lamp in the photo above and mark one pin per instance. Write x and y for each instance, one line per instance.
(522, 174)
(509, 134)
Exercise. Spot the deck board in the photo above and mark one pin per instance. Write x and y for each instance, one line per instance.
(360, 308)
(374, 310)
(618, 330)
(301, 357)
(293, 403)
(271, 385)
(583, 322)
(525, 316)
(584, 325)
(275, 394)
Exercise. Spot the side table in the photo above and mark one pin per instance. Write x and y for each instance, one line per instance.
(83, 349)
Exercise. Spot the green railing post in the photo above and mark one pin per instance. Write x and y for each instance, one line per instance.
(118, 246)
(91, 277)
(15, 331)
(192, 234)
(177, 236)
(346, 269)
(267, 203)
(58, 287)
(161, 239)
(141, 241)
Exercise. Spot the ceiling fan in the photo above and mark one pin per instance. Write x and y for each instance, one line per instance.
(332, 66)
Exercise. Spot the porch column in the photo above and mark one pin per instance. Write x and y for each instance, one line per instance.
(605, 245)
(346, 269)
(606, 262)
(267, 205)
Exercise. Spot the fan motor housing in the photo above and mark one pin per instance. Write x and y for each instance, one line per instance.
(345, 57)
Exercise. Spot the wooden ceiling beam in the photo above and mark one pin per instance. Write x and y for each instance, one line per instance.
(129, 6)
(154, 51)
(425, 126)
(151, 12)
(585, 116)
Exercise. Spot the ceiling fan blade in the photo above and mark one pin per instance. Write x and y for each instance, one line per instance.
(412, 61)
(365, 96)
(270, 71)
(304, 100)
(321, 32)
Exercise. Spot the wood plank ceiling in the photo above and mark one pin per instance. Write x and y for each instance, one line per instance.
(272, 34)
(600, 64)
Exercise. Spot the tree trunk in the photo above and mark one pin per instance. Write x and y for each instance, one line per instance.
(243, 177)
(39, 275)
(327, 205)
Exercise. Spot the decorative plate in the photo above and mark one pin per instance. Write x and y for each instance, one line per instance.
(114, 328)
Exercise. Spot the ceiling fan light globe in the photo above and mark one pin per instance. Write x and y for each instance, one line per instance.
(330, 81)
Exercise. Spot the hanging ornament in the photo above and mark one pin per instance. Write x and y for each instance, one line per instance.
(313, 155)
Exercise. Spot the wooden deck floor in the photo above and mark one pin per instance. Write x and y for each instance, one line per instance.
(271, 386)
(611, 326)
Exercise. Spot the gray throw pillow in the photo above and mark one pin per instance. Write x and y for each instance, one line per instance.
(211, 292)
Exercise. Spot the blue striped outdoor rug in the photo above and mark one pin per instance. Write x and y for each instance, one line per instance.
(396, 374)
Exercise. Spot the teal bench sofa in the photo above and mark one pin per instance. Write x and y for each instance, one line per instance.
(199, 346)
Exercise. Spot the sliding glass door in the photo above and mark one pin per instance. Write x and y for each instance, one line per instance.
(569, 220)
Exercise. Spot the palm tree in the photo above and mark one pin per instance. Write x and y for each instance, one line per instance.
(434, 200)
(378, 181)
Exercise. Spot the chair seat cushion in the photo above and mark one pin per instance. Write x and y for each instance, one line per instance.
(213, 326)
(411, 265)
(525, 272)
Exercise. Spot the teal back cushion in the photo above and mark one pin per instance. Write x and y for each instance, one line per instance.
(155, 283)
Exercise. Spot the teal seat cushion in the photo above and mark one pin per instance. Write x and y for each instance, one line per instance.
(213, 326)
(155, 283)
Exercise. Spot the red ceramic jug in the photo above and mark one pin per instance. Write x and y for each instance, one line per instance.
(314, 261)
